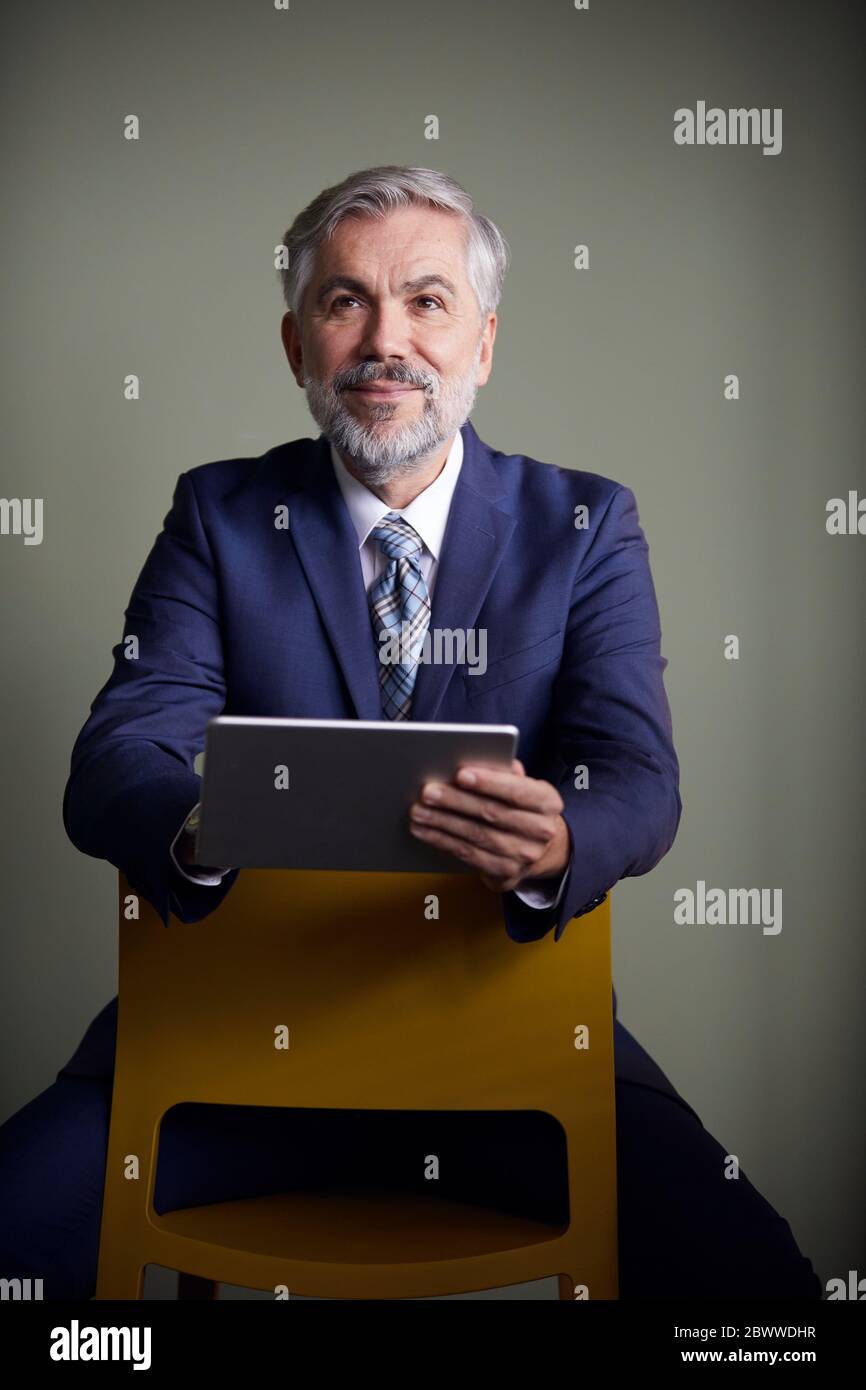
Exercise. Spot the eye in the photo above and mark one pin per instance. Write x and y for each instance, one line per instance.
(431, 299)
(343, 299)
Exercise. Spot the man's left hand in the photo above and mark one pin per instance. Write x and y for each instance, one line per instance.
(507, 825)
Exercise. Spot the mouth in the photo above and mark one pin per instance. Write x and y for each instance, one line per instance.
(382, 392)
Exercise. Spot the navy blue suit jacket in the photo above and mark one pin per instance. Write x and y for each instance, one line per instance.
(235, 616)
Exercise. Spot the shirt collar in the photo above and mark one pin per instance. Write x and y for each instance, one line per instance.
(427, 513)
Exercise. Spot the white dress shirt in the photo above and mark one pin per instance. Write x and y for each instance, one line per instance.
(428, 515)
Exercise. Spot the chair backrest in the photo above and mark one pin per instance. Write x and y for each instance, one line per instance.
(391, 990)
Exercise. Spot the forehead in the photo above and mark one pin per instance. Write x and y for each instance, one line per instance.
(400, 238)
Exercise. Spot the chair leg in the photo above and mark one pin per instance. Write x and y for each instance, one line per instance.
(190, 1286)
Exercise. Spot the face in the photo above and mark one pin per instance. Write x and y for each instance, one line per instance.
(391, 348)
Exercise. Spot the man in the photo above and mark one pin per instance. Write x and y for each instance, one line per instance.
(399, 515)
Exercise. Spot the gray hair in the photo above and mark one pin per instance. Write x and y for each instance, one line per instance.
(376, 192)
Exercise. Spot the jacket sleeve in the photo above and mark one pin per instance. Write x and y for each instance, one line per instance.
(610, 715)
(132, 780)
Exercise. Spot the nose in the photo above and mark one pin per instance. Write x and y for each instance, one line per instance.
(385, 333)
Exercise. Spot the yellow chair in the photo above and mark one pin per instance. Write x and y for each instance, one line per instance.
(387, 1007)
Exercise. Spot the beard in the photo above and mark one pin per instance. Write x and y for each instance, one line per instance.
(382, 454)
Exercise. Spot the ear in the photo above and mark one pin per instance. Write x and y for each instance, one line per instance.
(485, 359)
(290, 334)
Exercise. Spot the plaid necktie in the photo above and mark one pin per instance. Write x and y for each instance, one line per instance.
(399, 603)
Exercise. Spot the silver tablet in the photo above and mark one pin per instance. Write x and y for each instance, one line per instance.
(331, 793)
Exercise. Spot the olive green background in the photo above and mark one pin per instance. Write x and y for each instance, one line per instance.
(156, 258)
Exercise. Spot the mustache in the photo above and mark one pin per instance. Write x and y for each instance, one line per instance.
(400, 373)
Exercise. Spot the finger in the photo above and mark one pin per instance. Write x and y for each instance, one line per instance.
(486, 862)
(530, 793)
(497, 842)
(487, 811)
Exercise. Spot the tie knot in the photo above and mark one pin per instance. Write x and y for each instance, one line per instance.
(396, 538)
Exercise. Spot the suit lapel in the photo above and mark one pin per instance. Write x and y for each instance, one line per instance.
(475, 539)
(327, 547)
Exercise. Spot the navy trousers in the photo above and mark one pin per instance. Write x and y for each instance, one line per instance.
(685, 1230)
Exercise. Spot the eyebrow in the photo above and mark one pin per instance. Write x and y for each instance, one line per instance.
(348, 282)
